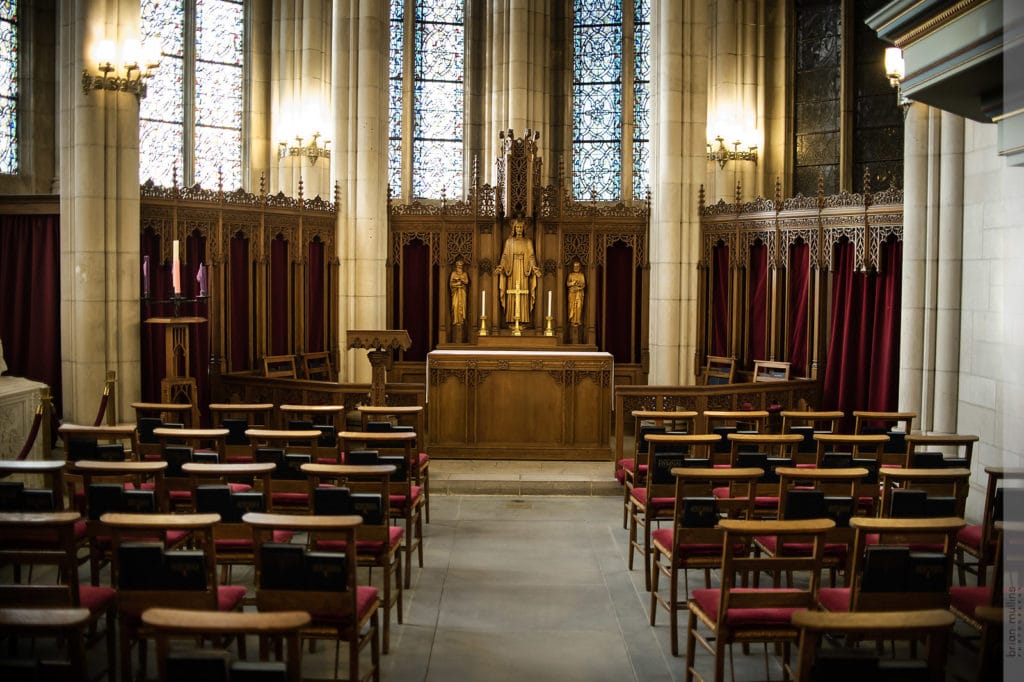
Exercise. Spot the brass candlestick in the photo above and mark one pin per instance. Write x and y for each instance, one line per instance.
(483, 326)
(549, 329)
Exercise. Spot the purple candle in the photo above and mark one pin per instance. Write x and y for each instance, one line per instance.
(145, 276)
(201, 278)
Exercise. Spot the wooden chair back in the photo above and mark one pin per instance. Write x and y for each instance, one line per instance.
(279, 366)
(925, 492)
(45, 539)
(230, 527)
(719, 370)
(237, 418)
(808, 423)
(666, 452)
(317, 367)
(19, 478)
(939, 450)
(843, 450)
(328, 419)
(896, 425)
(768, 370)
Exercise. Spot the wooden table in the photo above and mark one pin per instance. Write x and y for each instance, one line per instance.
(50, 471)
(117, 432)
(63, 623)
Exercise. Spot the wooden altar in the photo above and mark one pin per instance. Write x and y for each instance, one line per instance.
(519, 404)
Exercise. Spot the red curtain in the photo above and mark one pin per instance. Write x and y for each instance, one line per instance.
(239, 304)
(862, 370)
(618, 300)
(799, 266)
(758, 304)
(199, 334)
(152, 350)
(30, 299)
(279, 308)
(415, 289)
(720, 300)
(315, 302)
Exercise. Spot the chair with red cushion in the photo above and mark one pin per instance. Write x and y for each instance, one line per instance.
(766, 451)
(398, 418)
(732, 614)
(895, 425)
(933, 625)
(50, 538)
(147, 575)
(653, 497)
(897, 564)
(342, 610)
(340, 489)
(979, 540)
(936, 450)
(648, 422)
(695, 541)
(808, 423)
(237, 418)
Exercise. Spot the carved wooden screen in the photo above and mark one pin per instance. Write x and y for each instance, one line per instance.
(272, 279)
(776, 257)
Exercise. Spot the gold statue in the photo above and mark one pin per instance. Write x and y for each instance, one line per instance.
(577, 284)
(458, 283)
(517, 276)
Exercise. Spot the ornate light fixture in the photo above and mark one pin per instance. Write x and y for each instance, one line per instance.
(137, 63)
(724, 155)
(895, 71)
(313, 150)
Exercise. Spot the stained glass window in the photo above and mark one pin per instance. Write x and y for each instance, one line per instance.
(8, 86)
(431, 96)
(611, 97)
(192, 117)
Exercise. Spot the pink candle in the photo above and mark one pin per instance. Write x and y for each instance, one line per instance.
(175, 269)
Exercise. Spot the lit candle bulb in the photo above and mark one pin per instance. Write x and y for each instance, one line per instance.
(549, 302)
(175, 269)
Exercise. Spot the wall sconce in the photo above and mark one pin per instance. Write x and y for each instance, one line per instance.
(895, 70)
(137, 62)
(724, 155)
(313, 150)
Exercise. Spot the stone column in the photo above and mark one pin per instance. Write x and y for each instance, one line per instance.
(360, 159)
(679, 111)
(301, 94)
(99, 215)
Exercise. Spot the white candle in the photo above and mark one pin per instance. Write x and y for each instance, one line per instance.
(549, 302)
(483, 304)
(175, 268)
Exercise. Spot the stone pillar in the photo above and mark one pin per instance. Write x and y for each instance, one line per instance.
(679, 100)
(99, 215)
(932, 263)
(360, 159)
(301, 94)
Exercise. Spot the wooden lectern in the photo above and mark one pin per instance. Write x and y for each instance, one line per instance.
(178, 386)
(381, 343)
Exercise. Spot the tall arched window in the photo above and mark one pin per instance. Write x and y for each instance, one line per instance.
(192, 116)
(611, 96)
(426, 96)
(9, 87)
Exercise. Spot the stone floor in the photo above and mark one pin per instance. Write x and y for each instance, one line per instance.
(519, 586)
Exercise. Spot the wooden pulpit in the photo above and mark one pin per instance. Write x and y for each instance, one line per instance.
(381, 343)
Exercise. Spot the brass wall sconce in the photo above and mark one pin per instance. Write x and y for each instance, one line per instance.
(138, 63)
(313, 150)
(723, 155)
(895, 71)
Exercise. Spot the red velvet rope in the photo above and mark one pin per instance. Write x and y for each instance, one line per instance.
(103, 410)
(33, 432)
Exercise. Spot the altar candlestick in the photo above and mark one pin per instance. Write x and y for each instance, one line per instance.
(175, 269)
(549, 302)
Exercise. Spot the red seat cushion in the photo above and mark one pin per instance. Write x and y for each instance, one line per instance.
(95, 598)
(771, 544)
(423, 459)
(240, 487)
(692, 550)
(229, 597)
(243, 544)
(400, 501)
(624, 466)
(640, 495)
(834, 598)
(365, 547)
(708, 601)
(290, 499)
(967, 599)
(970, 536)
(366, 596)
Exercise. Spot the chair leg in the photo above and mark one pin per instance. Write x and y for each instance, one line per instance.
(386, 634)
(691, 644)
(632, 534)
(625, 503)
(375, 648)
(111, 634)
(655, 569)
(426, 494)
(419, 537)
(673, 608)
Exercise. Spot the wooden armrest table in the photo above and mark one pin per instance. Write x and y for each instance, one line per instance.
(116, 432)
(66, 623)
(51, 470)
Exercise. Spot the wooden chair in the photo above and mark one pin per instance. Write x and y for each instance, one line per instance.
(342, 609)
(812, 493)
(183, 446)
(978, 540)
(380, 543)
(964, 600)
(896, 425)
(147, 576)
(231, 490)
(395, 415)
(652, 499)
(406, 498)
(991, 659)
(328, 419)
(289, 487)
(924, 493)
(317, 367)
(724, 422)
(237, 418)
(766, 451)
(645, 422)
(954, 450)
(150, 416)
(733, 614)
(719, 370)
(768, 370)
(890, 573)
(80, 442)
(843, 450)
(933, 625)
(50, 538)
(66, 625)
(809, 423)
(281, 627)
(279, 366)
(695, 541)
(19, 496)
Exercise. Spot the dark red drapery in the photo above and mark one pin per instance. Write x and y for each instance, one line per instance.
(618, 299)
(758, 304)
(315, 303)
(799, 266)
(30, 299)
(239, 304)
(720, 300)
(862, 370)
(279, 308)
(415, 289)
